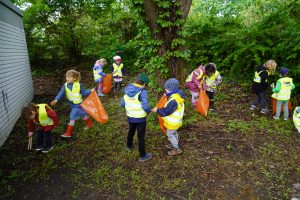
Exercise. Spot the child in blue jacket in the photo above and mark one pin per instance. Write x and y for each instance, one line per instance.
(74, 92)
(172, 114)
(135, 101)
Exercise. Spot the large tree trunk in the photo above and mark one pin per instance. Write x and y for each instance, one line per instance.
(167, 34)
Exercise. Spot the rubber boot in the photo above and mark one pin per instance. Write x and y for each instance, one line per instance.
(100, 94)
(89, 123)
(68, 133)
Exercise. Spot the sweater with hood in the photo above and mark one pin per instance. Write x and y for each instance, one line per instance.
(172, 105)
(263, 85)
(131, 90)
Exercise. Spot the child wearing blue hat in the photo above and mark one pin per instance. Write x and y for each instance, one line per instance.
(172, 114)
(282, 92)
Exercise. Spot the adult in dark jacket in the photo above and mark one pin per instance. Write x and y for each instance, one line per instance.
(260, 84)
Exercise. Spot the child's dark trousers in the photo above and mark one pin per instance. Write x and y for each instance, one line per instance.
(141, 129)
(44, 139)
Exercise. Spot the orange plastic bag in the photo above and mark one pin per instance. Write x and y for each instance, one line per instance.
(274, 102)
(163, 100)
(202, 103)
(93, 106)
(106, 84)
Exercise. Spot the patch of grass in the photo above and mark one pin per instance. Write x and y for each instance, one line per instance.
(237, 125)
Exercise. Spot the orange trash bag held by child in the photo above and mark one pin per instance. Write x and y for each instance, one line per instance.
(163, 100)
(106, 85)
(202, 103)
(93, 106)
(274, 102)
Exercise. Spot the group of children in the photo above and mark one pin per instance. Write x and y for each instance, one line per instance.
(117, 70)
(44, 119)
(135, 101)
(206, 78)
(281, 91)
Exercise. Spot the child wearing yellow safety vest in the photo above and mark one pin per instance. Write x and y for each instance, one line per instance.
(118, 71)
(74, 92)
(46, 119)
(296, 118)
(282, 92)
(212, 80)
(260, 84)
(172, 114)
(135, 101)
(194, 82)
(99, 74)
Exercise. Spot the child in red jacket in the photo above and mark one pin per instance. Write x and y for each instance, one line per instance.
(42, 117)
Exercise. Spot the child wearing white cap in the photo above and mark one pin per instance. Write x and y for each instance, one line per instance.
(117, 72)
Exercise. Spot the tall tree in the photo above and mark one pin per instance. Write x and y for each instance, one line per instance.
(166, 18)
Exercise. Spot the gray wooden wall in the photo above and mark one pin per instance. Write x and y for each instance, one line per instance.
(16, 88)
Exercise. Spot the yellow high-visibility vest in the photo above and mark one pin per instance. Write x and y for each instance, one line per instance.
(296, 118)
(285, 90)
(174, 121)
(43, 117)
(133, 106)
(74, 95)
(190, 77)
(117, 70)
(257, 77)
(96, 75)
(212, 79)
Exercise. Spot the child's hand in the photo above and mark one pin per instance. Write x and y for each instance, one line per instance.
(154, 109)
(272, 85)
(53, 103)
(30, 134)
(92, 90)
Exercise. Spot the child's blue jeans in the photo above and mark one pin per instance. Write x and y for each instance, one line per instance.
(285, 108)
(260, 98)
(173, 138)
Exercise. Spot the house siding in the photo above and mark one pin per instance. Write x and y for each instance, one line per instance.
(16, 88)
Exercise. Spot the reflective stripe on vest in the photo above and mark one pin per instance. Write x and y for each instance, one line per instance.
(174, 121)
(190, 77)
(74, 95)
(96, 74)
(257, 77)
(296, 118)
(118, 70)
(212, 79)
(285, 90)
(134, 106)
(43, 117)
